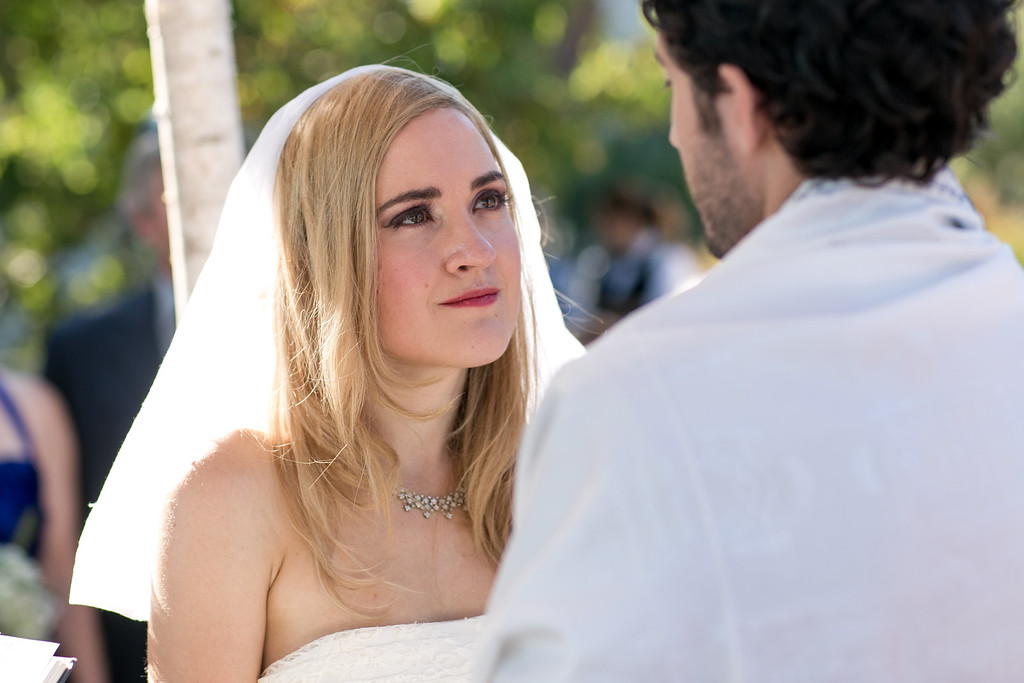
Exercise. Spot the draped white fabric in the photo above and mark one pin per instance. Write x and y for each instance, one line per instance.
(218, 371)
(807, 469)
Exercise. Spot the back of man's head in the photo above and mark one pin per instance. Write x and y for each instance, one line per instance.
(141, 198)
(140, 165)
(869, 89)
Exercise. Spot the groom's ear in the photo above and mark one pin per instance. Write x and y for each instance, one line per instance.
(739, 109)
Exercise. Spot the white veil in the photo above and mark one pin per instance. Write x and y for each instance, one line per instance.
(217, 373)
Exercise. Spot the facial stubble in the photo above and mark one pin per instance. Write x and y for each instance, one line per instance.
(728, 205)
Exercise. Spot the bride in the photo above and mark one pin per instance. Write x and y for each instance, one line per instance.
(384, 242)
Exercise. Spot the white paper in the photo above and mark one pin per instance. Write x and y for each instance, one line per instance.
(23, 660)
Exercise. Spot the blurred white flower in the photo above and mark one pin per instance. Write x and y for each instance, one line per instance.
(27, 608)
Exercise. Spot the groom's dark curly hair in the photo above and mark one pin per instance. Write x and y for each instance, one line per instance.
(854, 88)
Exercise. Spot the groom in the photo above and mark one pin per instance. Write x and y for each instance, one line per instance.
(810, 467)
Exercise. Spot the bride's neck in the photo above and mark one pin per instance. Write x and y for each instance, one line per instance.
(422, 444)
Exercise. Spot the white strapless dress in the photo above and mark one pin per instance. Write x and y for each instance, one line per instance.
(436, 651)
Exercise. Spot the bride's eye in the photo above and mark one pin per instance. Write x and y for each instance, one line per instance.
(490, 200)
(414, 216)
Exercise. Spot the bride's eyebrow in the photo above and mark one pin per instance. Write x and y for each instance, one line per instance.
(486, 178)
(425, 193)
(433, 193)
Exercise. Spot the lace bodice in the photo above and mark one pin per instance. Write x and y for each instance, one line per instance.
(439, 651)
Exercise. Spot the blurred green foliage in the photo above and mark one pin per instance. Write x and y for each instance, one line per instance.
(571, 86)
(575, 95)
(999, 155)
(993, 172)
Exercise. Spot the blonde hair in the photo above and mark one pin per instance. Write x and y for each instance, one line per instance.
(331, 365)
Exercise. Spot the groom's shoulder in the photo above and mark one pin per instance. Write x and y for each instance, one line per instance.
(625, 357)
(650, 334)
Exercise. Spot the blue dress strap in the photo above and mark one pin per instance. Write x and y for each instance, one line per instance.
(20, 511)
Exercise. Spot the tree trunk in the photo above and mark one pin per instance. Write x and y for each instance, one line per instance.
(199, 124)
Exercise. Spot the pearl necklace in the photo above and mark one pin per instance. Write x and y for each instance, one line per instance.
(427, 504)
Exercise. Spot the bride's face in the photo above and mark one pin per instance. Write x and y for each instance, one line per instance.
(449, 252)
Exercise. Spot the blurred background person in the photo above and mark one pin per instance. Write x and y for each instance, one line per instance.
(638, 257)
(40, 523)
(104, 362)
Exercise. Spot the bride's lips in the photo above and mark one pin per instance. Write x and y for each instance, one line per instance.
(473, 298)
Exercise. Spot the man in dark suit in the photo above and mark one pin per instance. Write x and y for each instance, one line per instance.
(104, 362)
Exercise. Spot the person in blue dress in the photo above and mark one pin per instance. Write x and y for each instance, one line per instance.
(39, 519)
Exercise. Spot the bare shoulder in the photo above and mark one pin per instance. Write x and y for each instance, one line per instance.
(228, 510)
(37, 400)
(242, 458)
(46, 418)
(223, 541)
(233, 484)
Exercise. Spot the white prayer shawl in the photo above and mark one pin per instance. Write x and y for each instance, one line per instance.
(809, 468)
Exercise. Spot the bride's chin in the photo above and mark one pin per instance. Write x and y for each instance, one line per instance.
(488, 356)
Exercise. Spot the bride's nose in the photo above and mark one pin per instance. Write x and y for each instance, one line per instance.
(468, 247)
